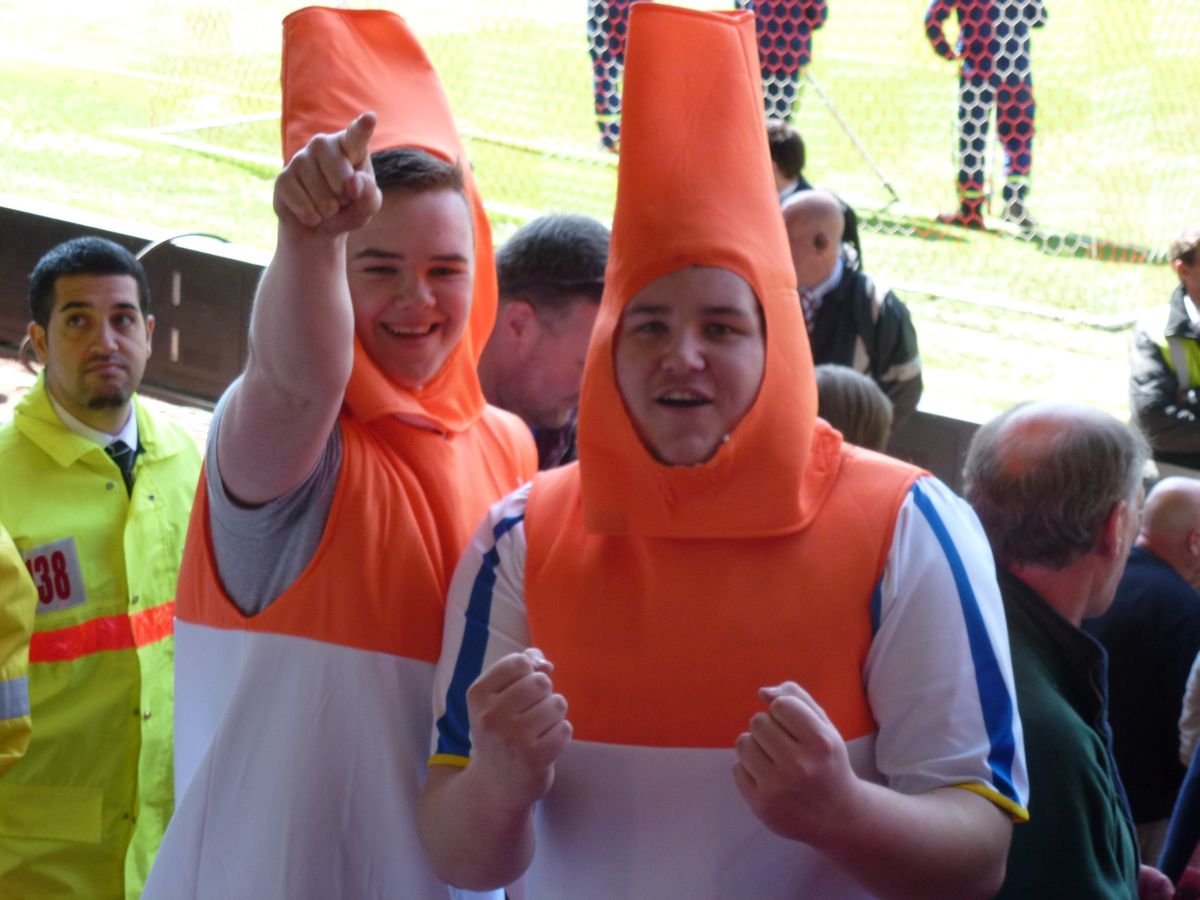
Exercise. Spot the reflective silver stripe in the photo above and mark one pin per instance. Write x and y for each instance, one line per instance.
(1179, 362)
(14, 698)
(878, 293)
(903, 371)
(862, 361)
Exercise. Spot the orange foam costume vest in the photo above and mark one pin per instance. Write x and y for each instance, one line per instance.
(302, 740)
(717, 579)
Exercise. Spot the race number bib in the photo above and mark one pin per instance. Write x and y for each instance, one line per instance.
(56, 573)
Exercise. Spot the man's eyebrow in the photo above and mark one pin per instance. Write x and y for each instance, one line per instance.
(375, 253)
(718, 310)
(658, 309)
(88, 306)
(372, 253)
(450, 257)
(646, 309)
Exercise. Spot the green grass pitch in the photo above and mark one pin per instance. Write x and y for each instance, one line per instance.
(92, 91)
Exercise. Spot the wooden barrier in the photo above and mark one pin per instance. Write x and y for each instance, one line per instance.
(935, 442)
(202, 290)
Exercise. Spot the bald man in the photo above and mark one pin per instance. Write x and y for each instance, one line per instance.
(852, 320)
(1152, 634)
(1058, 488)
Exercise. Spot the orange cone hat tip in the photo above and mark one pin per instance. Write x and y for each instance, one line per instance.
(337, 64)
(695, 189)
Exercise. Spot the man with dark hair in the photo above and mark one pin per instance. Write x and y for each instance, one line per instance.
(1152, 635)
(551, 277)
(787, 158)
(96, 497)
(852, 320)
(1058, 490)
(344, 471)
(84, 255)
(1164, 385)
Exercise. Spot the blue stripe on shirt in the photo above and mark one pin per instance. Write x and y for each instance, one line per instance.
(453, 728)
(876, 607)
(14, 698)
(994, 697)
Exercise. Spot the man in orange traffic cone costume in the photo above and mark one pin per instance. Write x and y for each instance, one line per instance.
(345, 472)
(719, 581)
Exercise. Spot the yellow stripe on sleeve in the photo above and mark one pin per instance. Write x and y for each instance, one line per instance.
(449, 759)
(1018, 812)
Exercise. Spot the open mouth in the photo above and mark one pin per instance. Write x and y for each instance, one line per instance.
(682, 399)
(411, 331)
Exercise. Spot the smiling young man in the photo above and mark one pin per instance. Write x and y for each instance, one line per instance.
(430, 266)
(344, 473)
(719, 581)
(96, 496)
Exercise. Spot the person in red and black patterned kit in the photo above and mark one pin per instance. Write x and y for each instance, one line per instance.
(997, 71)
(784, 30)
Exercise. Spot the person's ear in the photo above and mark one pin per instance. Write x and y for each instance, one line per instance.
(518, 319)
(149, 334)
(37, 338)
(1115, 525)
(1193, 542)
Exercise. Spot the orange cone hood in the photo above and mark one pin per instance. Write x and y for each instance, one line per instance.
(338, 63)
(695, 188)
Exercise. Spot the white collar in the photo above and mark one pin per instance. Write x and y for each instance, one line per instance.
(128, 432)
(834, 279)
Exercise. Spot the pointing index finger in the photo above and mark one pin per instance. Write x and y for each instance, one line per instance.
(355, 141)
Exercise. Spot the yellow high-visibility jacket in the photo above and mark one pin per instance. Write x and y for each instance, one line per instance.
(82, 814)
(17, 601)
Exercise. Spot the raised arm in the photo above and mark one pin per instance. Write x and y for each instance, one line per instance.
(935, 18)
(477, 822)
(302, 327)
(794, 771)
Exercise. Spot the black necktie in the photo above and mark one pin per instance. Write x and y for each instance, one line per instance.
(123, 455)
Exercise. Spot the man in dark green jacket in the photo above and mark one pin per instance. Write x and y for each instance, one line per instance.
(1058, 490)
